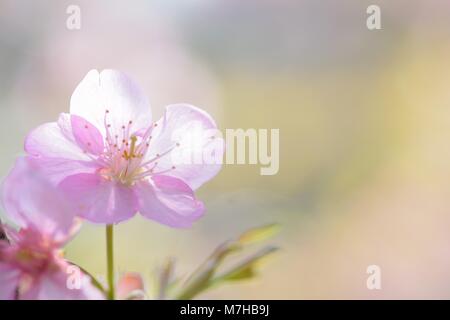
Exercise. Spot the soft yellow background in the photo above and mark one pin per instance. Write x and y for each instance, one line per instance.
(364, 119)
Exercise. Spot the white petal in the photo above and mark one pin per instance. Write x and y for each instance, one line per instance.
(114, 91)
(193, 129)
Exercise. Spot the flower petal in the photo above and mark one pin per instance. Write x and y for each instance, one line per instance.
(31, 201)
(198, 156)
(56, 169)
(114, 91)
(100, 200)
(53, 286)
(87, 135)
(49, 140)
(169, 201)
(9, 281)
(57, 148)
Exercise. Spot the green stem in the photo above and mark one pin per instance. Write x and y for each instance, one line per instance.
(110, 260)
(94, 280)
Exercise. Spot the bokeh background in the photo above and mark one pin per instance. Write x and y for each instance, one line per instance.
(364, 119)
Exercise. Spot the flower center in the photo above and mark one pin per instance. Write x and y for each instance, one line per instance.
(125, 151)
(33, 254)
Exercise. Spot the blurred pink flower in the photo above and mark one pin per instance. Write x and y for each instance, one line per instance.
(131, 286)
(31, 262)
(111, 159)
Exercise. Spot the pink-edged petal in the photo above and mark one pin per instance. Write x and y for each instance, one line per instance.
(87, 135)
(196, 146)
(129, 282)
(48, 140)
(9, 281)
(100, 200)
(169, 201)
(113, 91)
(31, 201)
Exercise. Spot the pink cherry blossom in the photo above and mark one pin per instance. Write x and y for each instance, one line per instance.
(112, 161)
(31, 262)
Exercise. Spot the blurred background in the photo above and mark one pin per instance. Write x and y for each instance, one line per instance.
(364, 119)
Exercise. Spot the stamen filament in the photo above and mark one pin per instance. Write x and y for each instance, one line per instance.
(159, 155)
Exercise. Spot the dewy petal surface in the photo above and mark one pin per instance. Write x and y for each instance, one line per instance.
(100, 200)
(114, 91)
(169, 201)
(198, 141)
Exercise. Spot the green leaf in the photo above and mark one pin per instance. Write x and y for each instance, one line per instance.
(204, 277)
(260, 234)
(94, 280)
(246, 269)
(200, 279)
(166, 278)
